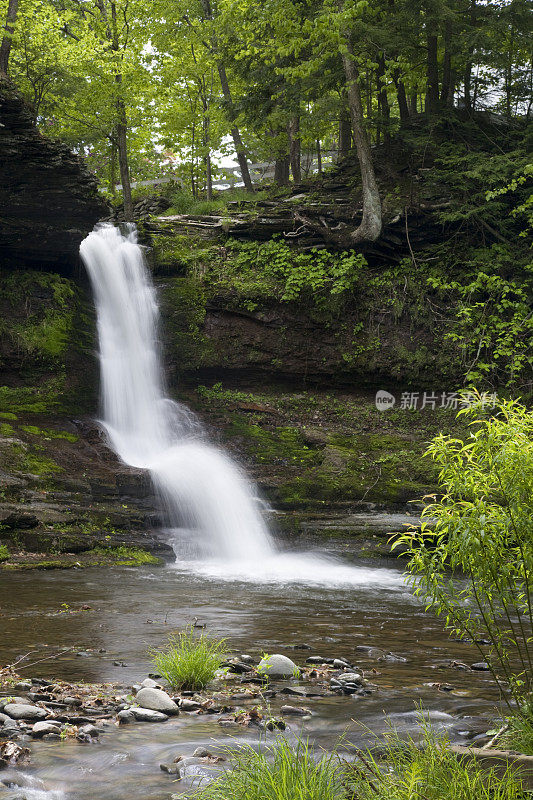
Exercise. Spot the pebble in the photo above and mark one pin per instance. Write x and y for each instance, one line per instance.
(295, 711)
(149, 683)
(189, 705)
(157, 700)
(40, 729)
(277, 666)
(125, 716)
(24, 711)
(148, 715)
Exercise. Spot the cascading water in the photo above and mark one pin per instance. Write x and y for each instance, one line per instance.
(199, 485)
(201, 488)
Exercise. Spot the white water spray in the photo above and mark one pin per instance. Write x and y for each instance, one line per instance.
(201, 488)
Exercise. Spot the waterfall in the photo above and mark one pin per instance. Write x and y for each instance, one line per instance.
(200, 486)
(201, 489)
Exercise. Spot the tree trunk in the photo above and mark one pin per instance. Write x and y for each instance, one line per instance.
(281, 170)
(345, 132)
(5, 47)
(295, 149)
(319, 156)
(401, 96)
(235, 133)
(122, 147)
(383, 101)
(432, 72)
(371, 223)
(469, 61)
(113, 166)
(447, 82)
(413, 104)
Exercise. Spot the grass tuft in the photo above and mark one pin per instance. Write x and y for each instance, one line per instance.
(280, 772)
(189, 661)
(519, 735)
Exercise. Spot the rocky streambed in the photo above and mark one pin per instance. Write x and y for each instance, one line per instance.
(368, 656)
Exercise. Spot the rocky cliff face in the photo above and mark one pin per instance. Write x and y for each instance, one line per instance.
(48, 199)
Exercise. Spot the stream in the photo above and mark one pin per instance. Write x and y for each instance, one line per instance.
(133, 610)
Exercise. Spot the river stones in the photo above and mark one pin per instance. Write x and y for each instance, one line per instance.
(148, 715)
(4, 701)
(125, 716)
(278, 666)
(189, 705)
(157, 700)
(24, 711)
(149, 683)
(480, 666)
(295, 711)
(40, 729)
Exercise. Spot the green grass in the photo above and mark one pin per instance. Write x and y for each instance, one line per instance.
(280, 772)
(519, 736)
(404, 772)
(431, 772)
(189, 661)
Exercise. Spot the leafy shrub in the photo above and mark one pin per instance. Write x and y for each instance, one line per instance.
(189, 661)
(4, 553)
(472, 559)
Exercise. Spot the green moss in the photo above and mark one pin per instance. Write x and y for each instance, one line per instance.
(32, 461)
(49, 434)
(123, 556)
(7, 415)
(6, 429)
(184, 309)
(4, 553)
(37, 400)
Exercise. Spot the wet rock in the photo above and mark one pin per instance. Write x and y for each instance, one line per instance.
(72, 701)
(87, 732)
(316, 437)
(302, 647)
(341, 663)
(24, 686)
(40, 729)
(189, 705)
(125, 717)
(275, 724)
(291, 691)
(52, 737)
(295, 711)
(201, 752)
(315, 660)
(24, 711)
(237, 667)
(277, 666)
(480, 666)
(11, 753)
(157, 700)
(170, 769)
(148, 715)
(246, 659)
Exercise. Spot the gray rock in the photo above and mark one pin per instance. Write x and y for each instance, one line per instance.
(315, 660)
(157, 700)
(278, 666)
(148, 715)
(351, 677)
(189, 705)
(24, 711)
(125, 716)
(88, 730)
(201, 752)
(52, 737)
(149, 683)
(4, 701)
(246, 659)
(170, 769)
(40, 729)
(341, 663)
(24, 686)
(295, 711)
(480, 666)
(72, 701)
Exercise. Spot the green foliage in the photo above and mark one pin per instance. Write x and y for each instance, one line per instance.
(46, 433)
(189, 661)
(280, 772)
(4, 553)
(259, 269)
(481, 530)
(519, 735)
(36, 400)
(431, 772)
(122, 556)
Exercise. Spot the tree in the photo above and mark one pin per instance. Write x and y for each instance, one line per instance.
(7, 39)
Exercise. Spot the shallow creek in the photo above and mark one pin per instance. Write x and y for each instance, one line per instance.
(134, 610)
